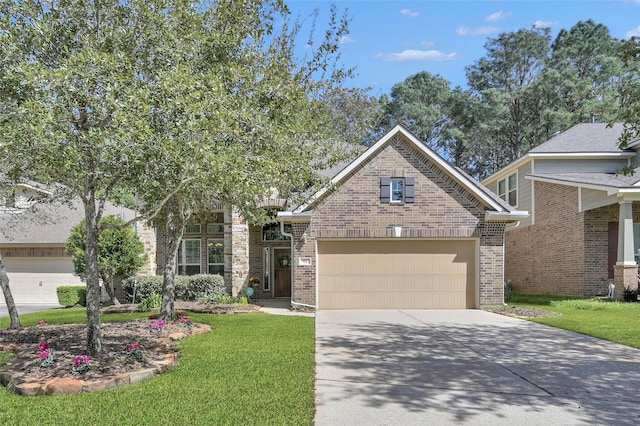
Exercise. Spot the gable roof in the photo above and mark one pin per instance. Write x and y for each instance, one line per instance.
(584, 138)
(582, 141)
(50, 224)
(481, 192)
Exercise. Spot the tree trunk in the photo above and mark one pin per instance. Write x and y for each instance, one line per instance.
(108, 286)
(94, 333)
(14, 318)
(174, 228)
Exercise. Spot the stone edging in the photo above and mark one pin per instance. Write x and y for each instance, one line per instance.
(66, 386)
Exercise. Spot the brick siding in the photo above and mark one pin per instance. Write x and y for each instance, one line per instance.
(442, 209)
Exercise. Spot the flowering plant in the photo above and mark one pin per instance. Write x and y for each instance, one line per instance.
(45, 353)
(3, 332)
(42, 322)
(135, 352)
(158, 327)
(254, 280)
(186, 322)
(81, 364)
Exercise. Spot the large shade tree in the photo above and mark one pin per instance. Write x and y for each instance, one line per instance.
(169, 98)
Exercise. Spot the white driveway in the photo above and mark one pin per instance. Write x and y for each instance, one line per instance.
(467, 367)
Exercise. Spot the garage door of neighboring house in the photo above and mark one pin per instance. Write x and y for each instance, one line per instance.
(383, 274)
(34, 280)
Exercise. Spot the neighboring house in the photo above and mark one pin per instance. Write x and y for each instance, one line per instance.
(32, 243)
(584, 229)
(399, 227)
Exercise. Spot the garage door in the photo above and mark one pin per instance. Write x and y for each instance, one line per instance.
(433, 274)
(35, 280)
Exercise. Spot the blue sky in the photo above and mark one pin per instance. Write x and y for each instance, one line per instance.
(390, 40)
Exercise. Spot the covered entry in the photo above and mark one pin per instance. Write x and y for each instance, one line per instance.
(397, 274)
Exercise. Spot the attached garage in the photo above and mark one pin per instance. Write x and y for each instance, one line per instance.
(397, 274)
(35, 280)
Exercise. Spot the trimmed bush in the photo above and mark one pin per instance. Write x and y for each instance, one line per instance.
(195, 287)
(188, 288)
(145, 286)
(69, 296)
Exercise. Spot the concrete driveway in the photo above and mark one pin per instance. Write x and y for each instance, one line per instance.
(467, 367)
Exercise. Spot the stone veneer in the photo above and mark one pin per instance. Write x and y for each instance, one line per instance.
(442, 209)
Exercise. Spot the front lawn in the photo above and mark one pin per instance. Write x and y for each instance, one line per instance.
(251, 369)
(613, 321)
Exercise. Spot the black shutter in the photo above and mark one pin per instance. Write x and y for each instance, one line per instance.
(409, 190)
(385, 190)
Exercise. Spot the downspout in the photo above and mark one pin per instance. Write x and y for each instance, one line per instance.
(286, 234)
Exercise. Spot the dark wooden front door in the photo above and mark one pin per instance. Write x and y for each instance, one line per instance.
(282, 272)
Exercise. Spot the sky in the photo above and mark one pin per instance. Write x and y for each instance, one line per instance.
(391, 40)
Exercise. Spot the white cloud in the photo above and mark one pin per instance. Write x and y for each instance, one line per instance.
(345, 39)
(633, 32)
(409, 13)
(466, 31)
(430, 43)
(417, 55)
(546, 24)
(497, 16)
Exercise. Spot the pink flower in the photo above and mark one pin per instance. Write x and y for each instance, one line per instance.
(42, 322)
(80, 360)
(43, 346)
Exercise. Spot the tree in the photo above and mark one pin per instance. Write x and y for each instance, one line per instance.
(505, 80)
(418, 103)
(587, 72)
(120, 251)
(183, 102)
(14, 317)
(629, 112)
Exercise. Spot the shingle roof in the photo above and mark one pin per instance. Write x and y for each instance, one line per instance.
(602, 179)
(51, 224)
(584, 137)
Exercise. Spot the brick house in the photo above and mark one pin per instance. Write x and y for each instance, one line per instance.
(399, 227)
(584, 228)
(32, 242)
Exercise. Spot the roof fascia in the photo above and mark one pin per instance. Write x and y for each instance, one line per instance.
(512, 216)
(582, 155)
(461, 179)
(609, 189)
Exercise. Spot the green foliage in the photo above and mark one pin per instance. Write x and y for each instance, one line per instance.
(141, 286)
(153, 301)
(630, 295)
(585, 304)
(120, 251)
(218, 378)
(195, 287)
(71, 295)
(188, 288)
(508, 291)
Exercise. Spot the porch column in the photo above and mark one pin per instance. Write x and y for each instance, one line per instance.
(236, 251)
(626, 268)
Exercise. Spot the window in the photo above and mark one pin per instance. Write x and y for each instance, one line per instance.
(192, 228)
(215, 224)
(266, 268)
(215, 256)
(397, 190)
(508, 189)
(189, 257)
(271, 232)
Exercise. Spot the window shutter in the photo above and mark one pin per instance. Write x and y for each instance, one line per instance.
(409, 190)
(385, 190)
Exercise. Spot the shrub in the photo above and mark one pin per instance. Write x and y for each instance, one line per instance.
(508, 291)
(69, 296)
(188, 288)
(196, 287)
(152, 302)
(145, 286)
(630, 295)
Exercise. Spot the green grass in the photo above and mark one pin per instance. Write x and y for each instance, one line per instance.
(252, 369)
(609, 320)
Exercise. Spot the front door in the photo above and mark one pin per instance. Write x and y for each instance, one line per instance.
(282, 272)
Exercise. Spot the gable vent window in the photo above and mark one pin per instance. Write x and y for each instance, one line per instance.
(397, 190)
